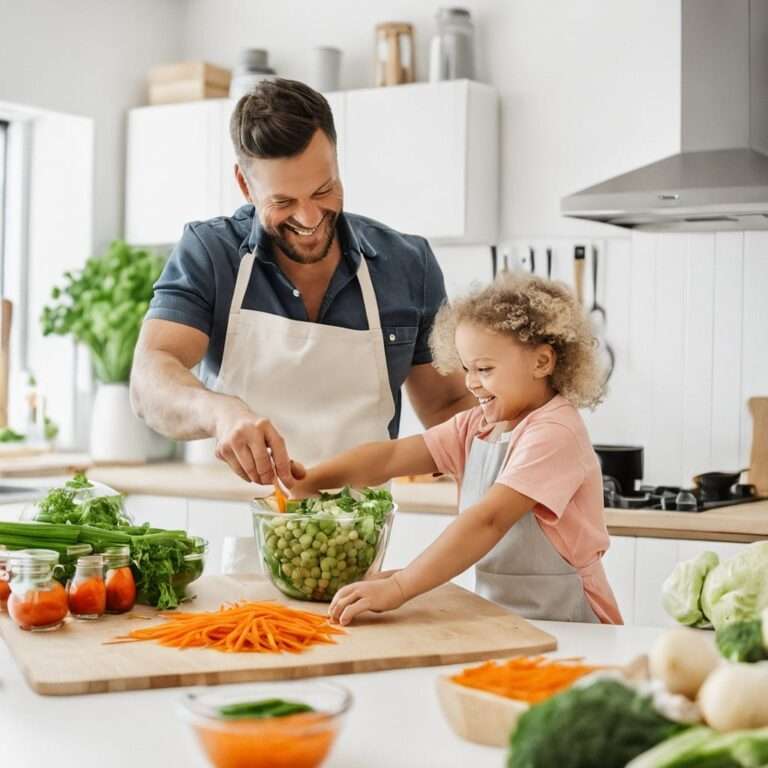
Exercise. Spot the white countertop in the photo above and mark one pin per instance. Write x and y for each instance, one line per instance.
(395, 721)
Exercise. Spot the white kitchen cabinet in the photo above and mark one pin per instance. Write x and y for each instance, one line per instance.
(178, 169)
(424, 159)
(421, 158)
(221, 522)
(619, 565)
(159, 511)
(412, 534)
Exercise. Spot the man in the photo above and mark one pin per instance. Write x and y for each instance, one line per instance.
(307, 320)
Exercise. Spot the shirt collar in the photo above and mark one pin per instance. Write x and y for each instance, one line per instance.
(353, 244)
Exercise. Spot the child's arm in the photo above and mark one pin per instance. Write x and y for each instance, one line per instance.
(471, 536)
(368, 464)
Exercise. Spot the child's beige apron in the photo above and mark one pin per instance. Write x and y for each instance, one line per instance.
(523, 572)
(324, 388)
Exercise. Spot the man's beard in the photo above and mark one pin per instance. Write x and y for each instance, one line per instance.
(329, 221)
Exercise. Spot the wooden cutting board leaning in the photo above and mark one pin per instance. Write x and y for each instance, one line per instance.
(446, 626)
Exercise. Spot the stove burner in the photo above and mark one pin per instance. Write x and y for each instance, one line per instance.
(674, 498)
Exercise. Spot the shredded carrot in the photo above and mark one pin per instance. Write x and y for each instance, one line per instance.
(240, 627)
(530, 679)
(282, 501)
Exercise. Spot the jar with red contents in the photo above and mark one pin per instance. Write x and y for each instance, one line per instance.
(37, 602)
(5, 577)
(87, 590)
(121, 586)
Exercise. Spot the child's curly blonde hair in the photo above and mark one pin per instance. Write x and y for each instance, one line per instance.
(531, 310)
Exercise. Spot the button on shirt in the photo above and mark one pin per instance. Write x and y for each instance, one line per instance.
(198, 281)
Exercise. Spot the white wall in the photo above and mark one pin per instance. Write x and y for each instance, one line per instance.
(589, 88)
(89, 58)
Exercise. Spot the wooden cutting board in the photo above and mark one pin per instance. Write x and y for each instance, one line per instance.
(446, 626)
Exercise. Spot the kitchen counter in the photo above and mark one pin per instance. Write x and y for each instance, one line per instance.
(739, 523)
(395, 721)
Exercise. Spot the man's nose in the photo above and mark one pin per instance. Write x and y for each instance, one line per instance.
(308, 214)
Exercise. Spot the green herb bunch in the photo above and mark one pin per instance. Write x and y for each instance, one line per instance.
(103, 306)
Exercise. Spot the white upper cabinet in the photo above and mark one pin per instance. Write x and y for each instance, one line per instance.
(421, 158)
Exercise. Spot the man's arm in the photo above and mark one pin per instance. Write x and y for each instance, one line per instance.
(172, 401)
(435, 397)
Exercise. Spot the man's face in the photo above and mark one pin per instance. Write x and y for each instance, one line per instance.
(297, 198)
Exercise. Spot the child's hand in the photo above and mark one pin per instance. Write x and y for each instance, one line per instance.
(377, 595)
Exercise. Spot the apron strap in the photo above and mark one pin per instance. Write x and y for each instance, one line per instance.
(243, 278)
(369, 296)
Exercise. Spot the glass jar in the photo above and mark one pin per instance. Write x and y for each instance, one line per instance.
(121, 586)
(37, 602)
(87, 591)
(5, 577)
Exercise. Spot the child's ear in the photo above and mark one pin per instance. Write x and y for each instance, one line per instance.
(546, 358)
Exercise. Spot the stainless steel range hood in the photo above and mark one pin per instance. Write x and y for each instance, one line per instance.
(719, 180)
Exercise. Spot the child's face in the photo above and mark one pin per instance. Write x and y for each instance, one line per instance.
(507, 377)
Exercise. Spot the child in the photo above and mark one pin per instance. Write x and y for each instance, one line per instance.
(531, 502)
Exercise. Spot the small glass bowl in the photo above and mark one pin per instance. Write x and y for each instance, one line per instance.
(296, 741)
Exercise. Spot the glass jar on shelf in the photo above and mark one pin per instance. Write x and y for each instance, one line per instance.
(87, 590)
(37, 601)
(120, 584)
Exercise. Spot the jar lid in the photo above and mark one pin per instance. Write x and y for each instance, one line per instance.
(47, 556)
(90, 561)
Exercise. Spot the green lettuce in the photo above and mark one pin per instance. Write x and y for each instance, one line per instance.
(681, 591)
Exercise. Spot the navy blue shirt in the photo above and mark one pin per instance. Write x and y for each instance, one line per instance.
(198, 281)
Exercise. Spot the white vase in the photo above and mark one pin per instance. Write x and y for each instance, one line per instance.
(117, 434)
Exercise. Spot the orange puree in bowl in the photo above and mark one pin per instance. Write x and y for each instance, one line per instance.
(295, 741)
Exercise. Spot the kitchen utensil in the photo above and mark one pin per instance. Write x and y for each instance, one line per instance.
(325, 69)
(758, 460)
(579, 261)
(452, 51)
(6, 313)
(624, 463)
(310, 734)
(598, 316)
(716, 485)
(447, 625)
(394, 53)
(532, 260)
(252, 68)
(549, 263)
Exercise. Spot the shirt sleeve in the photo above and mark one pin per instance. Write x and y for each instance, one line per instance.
(434, 298)
(447, 442)
(545, 465)
(186, 289)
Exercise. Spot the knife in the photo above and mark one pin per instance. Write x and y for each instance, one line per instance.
(579, 262)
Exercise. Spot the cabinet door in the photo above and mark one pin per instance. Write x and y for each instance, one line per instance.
(619, 564)
(159, 511)
(173, 172)
(412, 534)
(405, 157)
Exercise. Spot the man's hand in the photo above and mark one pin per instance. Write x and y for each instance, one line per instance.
(251, 446)
(372, 595)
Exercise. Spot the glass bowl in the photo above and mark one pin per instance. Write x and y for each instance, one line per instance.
(311, 556)
(295, 741)
(194, 565)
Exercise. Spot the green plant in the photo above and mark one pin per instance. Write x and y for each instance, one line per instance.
(103, 306)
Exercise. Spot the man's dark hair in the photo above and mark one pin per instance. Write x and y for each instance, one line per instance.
(278, 118)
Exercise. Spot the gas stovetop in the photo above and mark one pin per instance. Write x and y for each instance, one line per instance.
(671, 498)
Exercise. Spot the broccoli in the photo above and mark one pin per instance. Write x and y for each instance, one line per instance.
(741, 641)
(603, 724)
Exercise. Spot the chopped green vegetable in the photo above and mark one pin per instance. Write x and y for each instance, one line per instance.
(605, 723)
(323, 543)
(262, 709)
(742, 641)
(7, 435)
(78, 481)
(704, 748)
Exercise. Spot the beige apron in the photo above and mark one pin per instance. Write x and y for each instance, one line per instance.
(523, 572)
(324, 388)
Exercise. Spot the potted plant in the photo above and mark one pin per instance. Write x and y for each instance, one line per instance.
(102, 307)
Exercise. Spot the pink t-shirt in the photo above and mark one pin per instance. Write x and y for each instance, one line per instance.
(550, 460)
